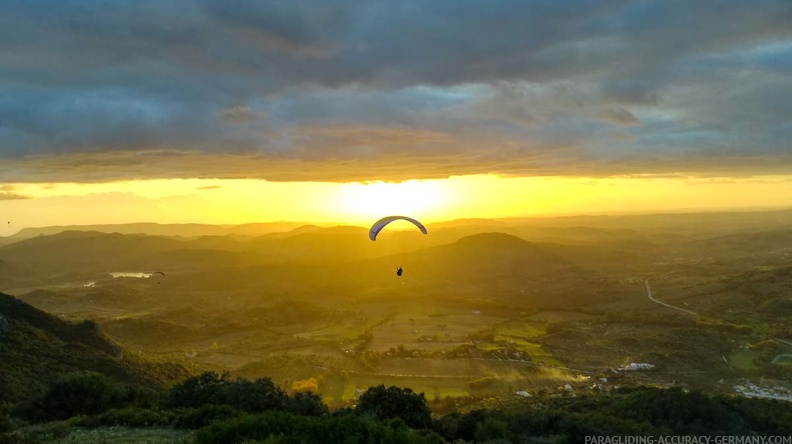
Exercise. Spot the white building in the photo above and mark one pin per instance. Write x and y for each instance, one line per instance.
(638, 366)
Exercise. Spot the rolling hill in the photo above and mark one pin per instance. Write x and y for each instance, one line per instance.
(36, 348)
(86, 251)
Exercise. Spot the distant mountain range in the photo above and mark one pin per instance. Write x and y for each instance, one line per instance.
(560, 260)
(154, 229)
(693, 224)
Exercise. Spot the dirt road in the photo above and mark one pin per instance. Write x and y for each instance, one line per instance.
(651, 298)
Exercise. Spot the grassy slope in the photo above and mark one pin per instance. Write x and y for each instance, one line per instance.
(37, 348)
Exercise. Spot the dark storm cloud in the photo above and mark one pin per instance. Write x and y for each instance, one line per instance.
(101, 90)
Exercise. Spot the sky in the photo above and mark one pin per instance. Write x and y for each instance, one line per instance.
(247, 111)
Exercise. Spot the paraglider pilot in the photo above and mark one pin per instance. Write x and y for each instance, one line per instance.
(399, 271)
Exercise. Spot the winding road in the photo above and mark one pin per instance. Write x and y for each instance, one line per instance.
(651, 298)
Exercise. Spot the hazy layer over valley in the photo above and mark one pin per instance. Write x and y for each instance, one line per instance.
(485, 307)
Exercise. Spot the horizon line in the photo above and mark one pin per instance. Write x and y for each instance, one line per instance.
(330, 224)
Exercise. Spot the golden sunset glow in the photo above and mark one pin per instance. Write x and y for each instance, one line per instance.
(475, 196)
(373, 200)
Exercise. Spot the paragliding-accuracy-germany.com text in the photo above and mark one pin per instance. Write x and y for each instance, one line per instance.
(719, 439)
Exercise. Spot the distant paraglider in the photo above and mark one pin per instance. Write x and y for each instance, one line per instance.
(380, 224)
(156, 272)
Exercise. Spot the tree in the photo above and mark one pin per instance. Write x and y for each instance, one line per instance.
(394, 402)
(213, 388)
(5, 418)
(74, 394)
(306, 404)
(491, 429)
(196, 391)
(305, 385)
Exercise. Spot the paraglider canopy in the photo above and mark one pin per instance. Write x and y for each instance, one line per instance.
(380, 224)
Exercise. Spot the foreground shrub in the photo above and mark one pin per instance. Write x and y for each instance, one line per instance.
(182, 418)
(73, 395)
(36, 434)
(287, 428)
(203, 416)
(395, 402)
(306, 404)
(212, 388)
(5, 417)
(128, 417)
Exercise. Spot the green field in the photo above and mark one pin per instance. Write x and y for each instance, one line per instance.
(743, 360)
(520, 329)
(440, 378)
(513, 336)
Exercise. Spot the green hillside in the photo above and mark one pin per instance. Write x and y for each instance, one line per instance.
(36, 348)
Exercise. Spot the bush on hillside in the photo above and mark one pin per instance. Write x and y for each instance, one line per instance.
(71, 395)
(395, 402)
(212, 388)
(287, 428)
